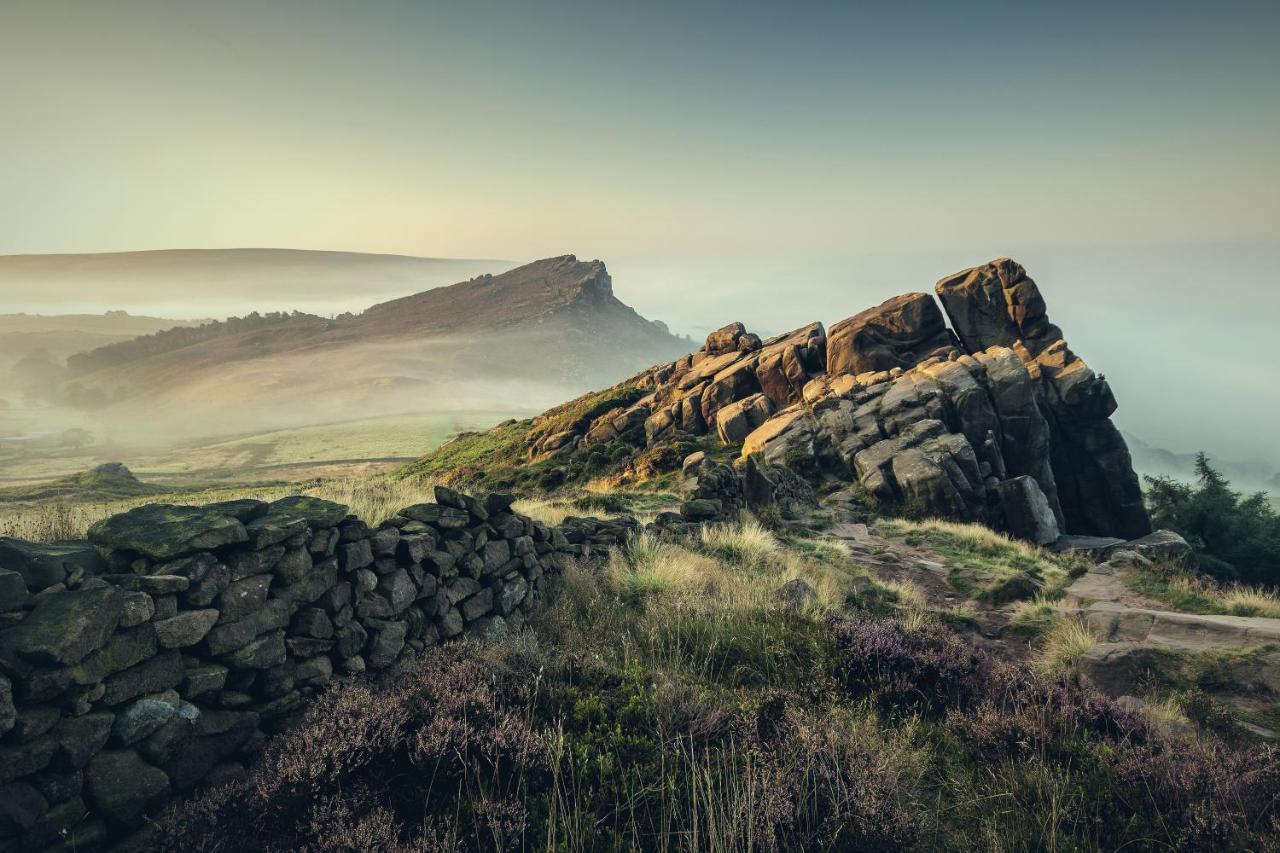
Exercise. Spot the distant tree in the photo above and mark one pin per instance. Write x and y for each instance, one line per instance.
(1234, 536)
(76, 437)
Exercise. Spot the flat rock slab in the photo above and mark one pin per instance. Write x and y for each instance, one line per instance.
(855, 532)
(314, 511)
(1189, 632)
(165, 531)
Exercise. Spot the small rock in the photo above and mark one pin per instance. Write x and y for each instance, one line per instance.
(185, 629)
(121, 785)
(796, 594)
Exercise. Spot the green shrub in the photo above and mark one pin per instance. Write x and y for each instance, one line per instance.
(1234, 537)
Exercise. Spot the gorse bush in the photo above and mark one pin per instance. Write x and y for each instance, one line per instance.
(1235, 537)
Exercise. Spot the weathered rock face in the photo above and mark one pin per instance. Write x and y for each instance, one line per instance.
(1098, 491)
(996, 304)
(948, 423)
(788, 361)
(896, 333)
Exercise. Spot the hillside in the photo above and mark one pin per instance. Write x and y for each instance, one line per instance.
(514, 340)
(32, 344)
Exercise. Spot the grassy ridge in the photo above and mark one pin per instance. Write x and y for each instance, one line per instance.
(499, 458)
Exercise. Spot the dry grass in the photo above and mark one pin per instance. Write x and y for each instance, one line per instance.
(972, 537)
(552, 512)
(1232, 599)
(981, 549)
(1181, 589)
(1069, 639)
(1242, 600)
(372, 500)
(747, 543)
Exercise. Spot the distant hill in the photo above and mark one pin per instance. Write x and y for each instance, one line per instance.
(34, 347)
(60, 335)
(223, 282)
(518, 339)
(1245, 476)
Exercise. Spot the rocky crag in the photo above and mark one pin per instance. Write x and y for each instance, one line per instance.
(158, 655)
(990, 419)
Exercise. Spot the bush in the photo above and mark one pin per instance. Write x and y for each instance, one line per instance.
(927, 667)
(1234, 537)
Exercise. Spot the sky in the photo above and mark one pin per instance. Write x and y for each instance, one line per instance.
(782, 161)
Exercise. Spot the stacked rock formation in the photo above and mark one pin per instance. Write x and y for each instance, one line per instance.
(992, 419)
(154, 657)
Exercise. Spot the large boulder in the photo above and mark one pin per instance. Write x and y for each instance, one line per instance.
(928, 469)
(1027, 514)
(1162, 546)
(165, 531)
(44, 564)
(996, 304)
(897, 333)
(65, 627)
(788, 438)
(725, 339)
(731, 384)
(736, 420)
(787, 362)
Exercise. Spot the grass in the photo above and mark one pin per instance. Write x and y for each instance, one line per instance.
(330, 451)
(748, 544)
(1067, 641)
(600, 502)
(373, 500)
(668, 701)
(981, 558)
(499, 458)
(1190, 593)
(1034, 619)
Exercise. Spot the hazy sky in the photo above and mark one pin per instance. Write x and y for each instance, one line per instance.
(774, 159)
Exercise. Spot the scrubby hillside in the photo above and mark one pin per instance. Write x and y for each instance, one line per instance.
(738, 691)
(525, 337)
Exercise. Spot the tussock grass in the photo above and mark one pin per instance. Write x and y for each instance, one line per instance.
(1250, 601)
(747, 543)
(1068, 640)
(552, 512)
(1034, 618)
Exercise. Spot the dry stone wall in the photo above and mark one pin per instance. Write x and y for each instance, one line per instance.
(158, 655)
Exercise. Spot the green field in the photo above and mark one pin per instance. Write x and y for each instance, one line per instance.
(343, 449)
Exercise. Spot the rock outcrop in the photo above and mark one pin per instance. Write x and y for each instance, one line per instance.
(992, 419)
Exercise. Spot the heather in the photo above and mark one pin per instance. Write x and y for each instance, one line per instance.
(669, 700)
